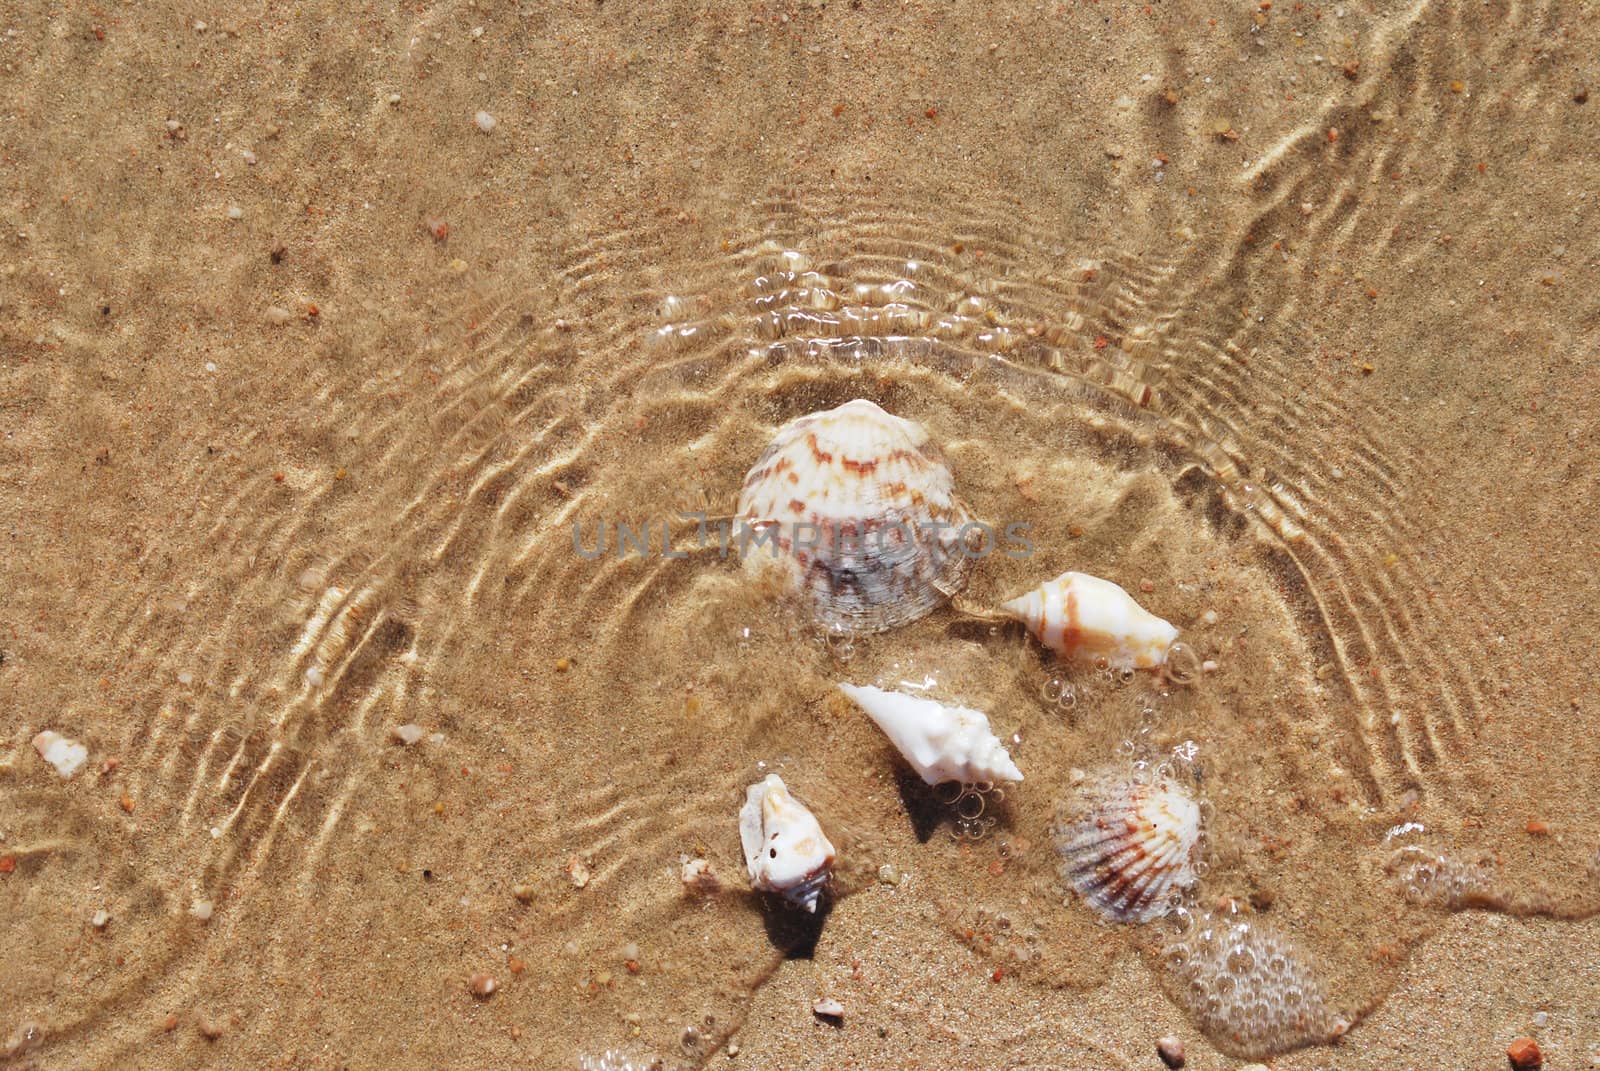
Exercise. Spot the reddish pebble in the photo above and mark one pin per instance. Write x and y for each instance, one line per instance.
(437, 227)
(1170, 1049)
(997, 975)
(171, 1023)
(1538, 829)
(8, 864)
(482, 985)
(1524, 1054)
(1147, 586)
(515, 965)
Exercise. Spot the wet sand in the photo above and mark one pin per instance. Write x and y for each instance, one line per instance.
(286, 464)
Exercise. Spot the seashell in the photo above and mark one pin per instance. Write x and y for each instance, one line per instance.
(785, 849)
(942, 743)
(858, 508)
(1081, 616)
(1132, 848)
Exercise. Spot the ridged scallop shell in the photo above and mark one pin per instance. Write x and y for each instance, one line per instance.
(871, 484)
(1131, 848)
(1081, 616)
(785, 850)
(941, 742)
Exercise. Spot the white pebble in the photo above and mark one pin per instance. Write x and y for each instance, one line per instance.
(249, 157)
(828, 1008)
(235, 212)
(201, 909)
(67, 756)
(1208, 618)
(211, 366)
(314, 676)
(1208, 666)
(199, 27)
(101, 918)
(485, 121)
(277, 316)
(1540, 1019)
(186, 678)
(436, 738)
(477, 31)
(394, 99)
(408, 734)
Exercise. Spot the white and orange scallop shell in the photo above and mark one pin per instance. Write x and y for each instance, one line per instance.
(857, 507)
(785, 850)
(1129, 850)
(1083, 617)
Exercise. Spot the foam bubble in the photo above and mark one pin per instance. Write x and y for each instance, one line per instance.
(1249, 988)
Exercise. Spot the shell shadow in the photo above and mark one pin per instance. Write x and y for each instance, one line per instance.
(791, 931)
(927, 814)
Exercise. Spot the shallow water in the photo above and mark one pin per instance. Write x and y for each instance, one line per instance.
(1322, 379)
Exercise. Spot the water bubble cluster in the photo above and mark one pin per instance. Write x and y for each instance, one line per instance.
(1433, 880)
(967, 803)
(1247, 986)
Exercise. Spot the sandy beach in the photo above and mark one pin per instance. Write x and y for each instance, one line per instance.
(322, 326)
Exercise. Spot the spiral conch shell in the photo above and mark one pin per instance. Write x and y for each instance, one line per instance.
(858, 508)
(1131, 850)
(1081, 616)
(942, 743)
(785, 850)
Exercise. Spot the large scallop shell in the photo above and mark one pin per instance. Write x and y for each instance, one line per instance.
(941, 742)
(858, 507)
(1131, 849)
(785, 850)
(1081, 616)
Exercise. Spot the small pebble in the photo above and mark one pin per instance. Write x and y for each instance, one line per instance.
(578, 871)
(67, 756)
(1170, 1049)
(828, 1008)
(235, 212)
(211, 366)
(249, 157)
(277, 316)
(394, 99)
(482, 985)
(102, 919)
(1524, 1054)
(485, 121)
(170, 1023)
(889, 874)
(1209, 666)
(201, 909)
(1208, 618)
(315, 676)
(458, 266)
(522, 891)
(408, 734)
(699, 879)
(209, 1028)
